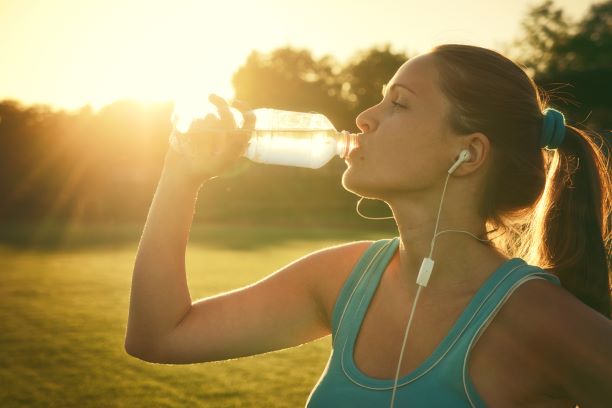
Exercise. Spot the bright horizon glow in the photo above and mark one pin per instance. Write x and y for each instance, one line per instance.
(70, 54)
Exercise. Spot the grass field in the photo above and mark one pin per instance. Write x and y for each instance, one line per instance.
(64, 312)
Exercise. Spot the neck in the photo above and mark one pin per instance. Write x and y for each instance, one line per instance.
(461, 260)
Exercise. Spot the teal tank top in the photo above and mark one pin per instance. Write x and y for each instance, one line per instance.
(442, 380)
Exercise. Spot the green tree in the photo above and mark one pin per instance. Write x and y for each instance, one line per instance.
(571, 60)
(587, 45)
(365, 74)
(544, 28)
(291, 79)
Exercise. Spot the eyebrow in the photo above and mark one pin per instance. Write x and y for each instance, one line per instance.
(384, 88)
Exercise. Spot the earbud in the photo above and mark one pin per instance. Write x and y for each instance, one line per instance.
(464, 156)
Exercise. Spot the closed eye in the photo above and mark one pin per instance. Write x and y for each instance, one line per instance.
(398, 105)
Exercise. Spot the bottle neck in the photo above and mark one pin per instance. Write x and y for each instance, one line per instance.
(346, 142)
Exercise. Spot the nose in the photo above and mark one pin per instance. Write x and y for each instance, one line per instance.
(365, 120)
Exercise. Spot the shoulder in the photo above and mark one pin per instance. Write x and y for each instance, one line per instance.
(336, 262)
(572, 340)
(539, 301)
(329, 268)
(340, 254)
(539, 309)
(333, 260)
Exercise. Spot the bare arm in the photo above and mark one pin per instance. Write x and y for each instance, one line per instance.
(277, 312)
(159, 296)
(164, 325)
(282, 310)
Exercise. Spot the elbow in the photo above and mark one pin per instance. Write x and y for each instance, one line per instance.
(141, 351)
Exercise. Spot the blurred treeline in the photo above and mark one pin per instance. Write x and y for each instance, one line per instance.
(102, 167)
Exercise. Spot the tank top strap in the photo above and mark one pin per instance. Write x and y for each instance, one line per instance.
(357, 291)
(496, 291)
(480, 313)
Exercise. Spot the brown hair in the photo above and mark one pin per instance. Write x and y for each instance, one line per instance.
(550, 207)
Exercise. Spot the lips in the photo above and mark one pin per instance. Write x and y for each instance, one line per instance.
(358, 140)
(355, 152)
(357, 144)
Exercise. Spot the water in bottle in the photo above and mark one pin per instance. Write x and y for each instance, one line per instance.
(285, 138)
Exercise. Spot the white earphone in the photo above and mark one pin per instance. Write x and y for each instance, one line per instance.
(426, 269)
(464, 156)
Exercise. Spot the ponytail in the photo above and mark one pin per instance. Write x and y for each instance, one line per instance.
(550, 206)
(571, 226)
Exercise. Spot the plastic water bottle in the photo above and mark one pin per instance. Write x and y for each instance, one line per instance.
(283, 137)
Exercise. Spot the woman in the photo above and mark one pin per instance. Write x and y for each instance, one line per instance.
(489, 329)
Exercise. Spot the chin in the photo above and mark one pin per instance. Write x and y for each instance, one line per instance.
(360, 187)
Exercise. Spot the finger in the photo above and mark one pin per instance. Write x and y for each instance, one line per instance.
(220, 138)
(247, 114)
(223, 108)
(239, 138)
(208, 124)
(211, 120)
(208, 135)
(237, 142)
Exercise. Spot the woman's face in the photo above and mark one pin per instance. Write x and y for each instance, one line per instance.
(404, 145)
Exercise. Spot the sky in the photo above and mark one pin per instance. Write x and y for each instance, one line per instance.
(71, 53)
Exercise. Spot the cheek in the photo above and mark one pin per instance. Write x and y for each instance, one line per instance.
(416, 148)
(401, 158)
(402, 154)
(403, 168)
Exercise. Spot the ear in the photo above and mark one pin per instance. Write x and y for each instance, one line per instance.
(479, 147)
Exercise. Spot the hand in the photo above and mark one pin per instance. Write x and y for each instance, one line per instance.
(211, 145)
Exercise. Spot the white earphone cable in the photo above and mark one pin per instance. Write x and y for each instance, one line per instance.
(419, 287)
(367, 217)
(401, 357)
(416, 299)
(426, 267)
(433, 241)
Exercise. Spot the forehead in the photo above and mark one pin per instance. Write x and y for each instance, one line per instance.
(419, 74)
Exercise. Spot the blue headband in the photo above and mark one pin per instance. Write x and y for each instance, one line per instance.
(553, 129)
